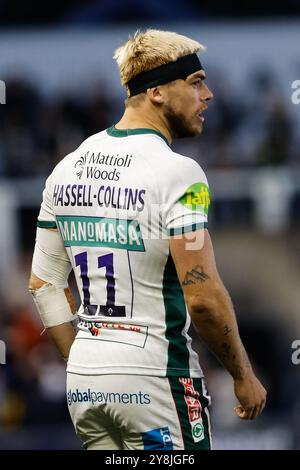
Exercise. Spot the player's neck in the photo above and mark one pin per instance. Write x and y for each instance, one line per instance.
(134, 118)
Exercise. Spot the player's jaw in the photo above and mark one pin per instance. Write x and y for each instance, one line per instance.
(184, 124)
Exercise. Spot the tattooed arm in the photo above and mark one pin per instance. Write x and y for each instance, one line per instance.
(214, 319)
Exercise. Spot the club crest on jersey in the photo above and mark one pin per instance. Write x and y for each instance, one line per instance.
(197, 198)
(198, 432)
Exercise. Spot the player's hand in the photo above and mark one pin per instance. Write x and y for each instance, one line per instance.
(251, 395)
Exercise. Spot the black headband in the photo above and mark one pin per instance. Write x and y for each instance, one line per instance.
(181, 68)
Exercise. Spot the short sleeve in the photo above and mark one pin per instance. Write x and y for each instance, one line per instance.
(187, 198)
(46, 217)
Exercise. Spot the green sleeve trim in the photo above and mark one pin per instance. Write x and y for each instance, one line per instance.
(46, 224)
(188, 228)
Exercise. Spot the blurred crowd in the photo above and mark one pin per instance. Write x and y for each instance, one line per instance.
(37, 132)
(243, 128)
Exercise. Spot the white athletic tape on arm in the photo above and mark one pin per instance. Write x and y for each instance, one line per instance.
(51, 264)
(52, 305)
(50, 260)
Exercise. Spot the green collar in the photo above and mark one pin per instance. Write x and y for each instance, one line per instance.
(126, 132)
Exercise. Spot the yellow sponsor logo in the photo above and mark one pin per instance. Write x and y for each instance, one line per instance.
(197, 198)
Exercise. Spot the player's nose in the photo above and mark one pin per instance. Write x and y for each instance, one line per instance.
(207, 94)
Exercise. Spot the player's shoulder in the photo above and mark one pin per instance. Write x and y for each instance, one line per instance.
(179, 166)
(93, 139)
(183, 160)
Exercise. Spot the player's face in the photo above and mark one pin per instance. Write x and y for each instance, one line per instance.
(185, 103)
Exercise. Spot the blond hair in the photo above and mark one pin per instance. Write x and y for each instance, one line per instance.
(149, 49)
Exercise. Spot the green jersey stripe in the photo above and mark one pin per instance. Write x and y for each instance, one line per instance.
(175, 308)
(187, 228)
(46, 224)
(178, 394)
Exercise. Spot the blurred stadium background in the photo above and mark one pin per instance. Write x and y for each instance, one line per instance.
(61, 86)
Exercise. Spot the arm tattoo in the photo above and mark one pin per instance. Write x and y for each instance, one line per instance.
(227, 330)
(238, 372)
(195, 275)
(225, 350)
(246, 359)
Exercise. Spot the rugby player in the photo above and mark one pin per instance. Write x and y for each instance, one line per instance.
(129, 216)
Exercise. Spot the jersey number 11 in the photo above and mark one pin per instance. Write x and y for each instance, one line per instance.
(110, 309)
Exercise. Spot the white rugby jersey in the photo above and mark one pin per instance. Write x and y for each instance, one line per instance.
(115, 201)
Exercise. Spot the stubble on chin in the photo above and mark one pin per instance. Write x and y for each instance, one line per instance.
(179, 126)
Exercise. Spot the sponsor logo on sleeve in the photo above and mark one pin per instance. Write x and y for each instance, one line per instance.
(197, 198)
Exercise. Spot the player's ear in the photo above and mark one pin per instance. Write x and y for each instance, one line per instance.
(155, 95)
